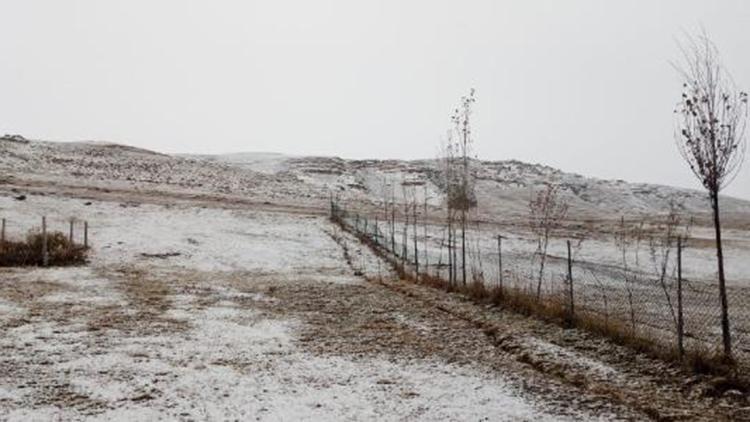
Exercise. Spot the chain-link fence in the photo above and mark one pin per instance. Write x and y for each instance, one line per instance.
(662, 305)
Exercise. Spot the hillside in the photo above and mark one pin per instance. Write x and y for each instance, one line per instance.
(503, 187)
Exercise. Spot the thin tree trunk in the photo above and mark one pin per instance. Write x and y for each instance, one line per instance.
(543, 259)
(455, 256)
(726, 335)
(450, 248)
(463, 246)
(424, 243)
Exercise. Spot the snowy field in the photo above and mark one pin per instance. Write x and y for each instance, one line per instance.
(196, 333)
(217, 290)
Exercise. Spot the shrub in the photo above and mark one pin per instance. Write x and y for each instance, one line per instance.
(60, 250)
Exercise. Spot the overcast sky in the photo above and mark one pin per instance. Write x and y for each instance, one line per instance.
(585, 86)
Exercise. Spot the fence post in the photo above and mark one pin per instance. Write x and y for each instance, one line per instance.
(416, 248)
(570, 285)
(45, 256)
(70, 236)
(85, 234)
(393, 229)
(500, 261)
(680, 321)
(405, 241)
(2, 236)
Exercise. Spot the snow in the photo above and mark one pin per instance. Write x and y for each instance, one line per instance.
(503, 187)
(232, 360)
(175, 316)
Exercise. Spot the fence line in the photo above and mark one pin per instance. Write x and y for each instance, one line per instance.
(43, 248)
(675, 312)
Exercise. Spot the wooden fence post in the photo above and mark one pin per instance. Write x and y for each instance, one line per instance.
(570, 285)
(680, 321)
(85, 234)
(70, 236)
(45, 256)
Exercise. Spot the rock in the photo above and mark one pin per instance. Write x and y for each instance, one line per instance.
(734, 394)
(20, 198)
(15, 138)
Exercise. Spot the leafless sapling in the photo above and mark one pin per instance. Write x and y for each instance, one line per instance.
(464, 198)
(547, 210)
(711, 120)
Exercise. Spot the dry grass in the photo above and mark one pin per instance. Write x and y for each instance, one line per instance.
(148, 300)
(558, 312)
(60, 250)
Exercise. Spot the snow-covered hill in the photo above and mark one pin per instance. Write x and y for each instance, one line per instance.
(503, 187)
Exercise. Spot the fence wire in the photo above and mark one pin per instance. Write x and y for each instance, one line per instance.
(644, 303)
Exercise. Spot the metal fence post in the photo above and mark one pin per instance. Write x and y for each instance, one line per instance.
(70, 236)
(416, 247)
(680, 321)
(393, 229)
(85, 234)
(570, 284)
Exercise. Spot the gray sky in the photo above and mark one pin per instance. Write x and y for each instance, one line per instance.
(585, 86)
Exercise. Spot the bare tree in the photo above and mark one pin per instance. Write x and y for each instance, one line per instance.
(627, 236)
(448, 179)
(547, 210)
(662, 245)
(425, 242)
(464, 198)
(712, 116)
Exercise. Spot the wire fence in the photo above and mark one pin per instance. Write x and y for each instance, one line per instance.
(22, 243)
(676, 312)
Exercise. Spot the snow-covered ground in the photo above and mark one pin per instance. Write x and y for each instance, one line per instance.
(140, 336)
(216, 289)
